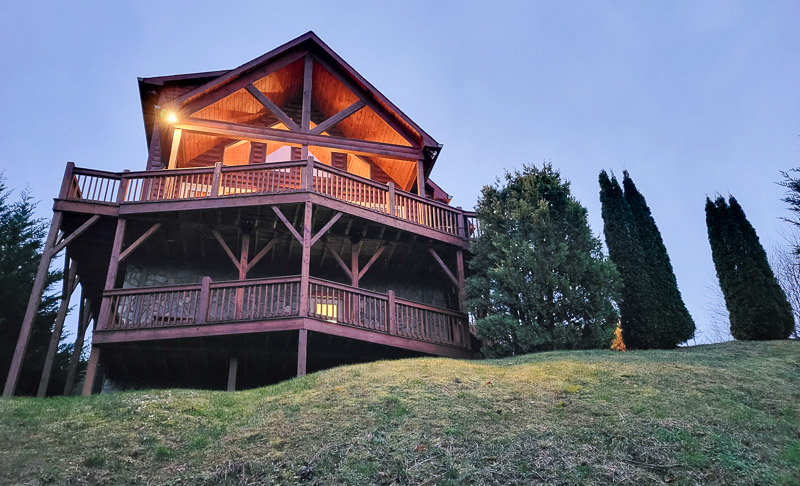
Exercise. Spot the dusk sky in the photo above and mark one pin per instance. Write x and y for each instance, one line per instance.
(693, 98)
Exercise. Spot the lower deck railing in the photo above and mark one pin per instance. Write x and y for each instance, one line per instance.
(279, 298)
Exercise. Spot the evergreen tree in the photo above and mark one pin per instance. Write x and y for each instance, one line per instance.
(757, 305)
(539, 278)
(621, 238)
(21, 243)
(672, 322)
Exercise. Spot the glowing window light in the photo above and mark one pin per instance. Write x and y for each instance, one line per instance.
(327, 311)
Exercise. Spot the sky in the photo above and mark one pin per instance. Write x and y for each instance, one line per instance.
(692, 98)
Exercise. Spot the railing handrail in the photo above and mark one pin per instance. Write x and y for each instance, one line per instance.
(424, 200)
(214, 285)
(348, 288)
(348, 175)
(254, 281)
(150, 290)
(97, 173)
(431, 308)
(167, 172)
(263, 166)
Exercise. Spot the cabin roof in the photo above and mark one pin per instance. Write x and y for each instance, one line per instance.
(181, 89)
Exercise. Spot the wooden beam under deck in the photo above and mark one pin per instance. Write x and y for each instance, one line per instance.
(180, 332)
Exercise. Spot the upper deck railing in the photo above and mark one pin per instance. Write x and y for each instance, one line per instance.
(94, 186)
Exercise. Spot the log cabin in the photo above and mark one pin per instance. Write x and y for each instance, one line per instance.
(285, 222)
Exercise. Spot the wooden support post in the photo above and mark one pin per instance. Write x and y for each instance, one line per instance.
(233, 367)
(392, 315)
(111, 276)
(461, 226)
(66, 293)
(391, 209)
(39, 284)
(308, 75)
(83, 324)
(173, 153)
(460, 277)
(308, 173)
(122, 194)
(243, 257)
(91, 371)
(420, 178)
(66, 182)
(215, 179)
(202, 302)
(355, 251)
(302, 349)
(306, 261)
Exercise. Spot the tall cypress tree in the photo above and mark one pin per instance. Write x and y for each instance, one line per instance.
(672, 322)
(621, 238)
(757, 305)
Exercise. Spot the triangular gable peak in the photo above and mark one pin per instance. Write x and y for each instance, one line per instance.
(300, 95)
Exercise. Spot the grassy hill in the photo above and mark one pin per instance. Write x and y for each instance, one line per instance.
(718, 414)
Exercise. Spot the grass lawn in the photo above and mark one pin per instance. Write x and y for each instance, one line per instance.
(717, 414)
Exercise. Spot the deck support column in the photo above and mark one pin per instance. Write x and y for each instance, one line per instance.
(66, 293)
(243, 257)
(83, 324)
(306, 261)
(233, 366)
(91, 371)
(111, 276)
(302, 349)
(460, 277)
(39, 284)
(354, 254)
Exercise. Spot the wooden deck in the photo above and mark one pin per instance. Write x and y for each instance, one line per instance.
(272, 304)
(112, 193)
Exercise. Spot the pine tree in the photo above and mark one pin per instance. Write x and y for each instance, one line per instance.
(621, 236)
(757, 305)
(539, 278)
(672, 322)
(21, 241)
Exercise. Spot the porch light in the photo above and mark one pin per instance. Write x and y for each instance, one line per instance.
(171, 117)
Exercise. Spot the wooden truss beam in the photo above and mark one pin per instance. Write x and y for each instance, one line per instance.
(262, 253)
(366, 98)
(225, 247)
(71, 237)
(370, 262)
(136, 244)
(339, 260)
(332, 121)
(288, 225)
(444, 267)
(275, 109)
(241, 131)
(325, 228)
